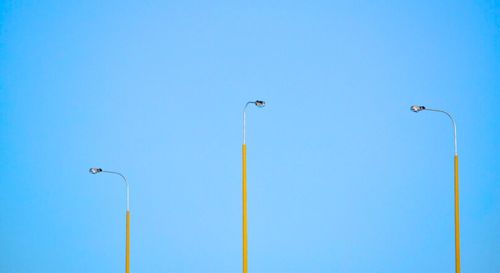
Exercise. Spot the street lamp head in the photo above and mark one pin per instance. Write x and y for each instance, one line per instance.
(417, 108)
(260, 103)
(95, 170)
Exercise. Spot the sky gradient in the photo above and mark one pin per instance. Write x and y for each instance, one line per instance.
(342, 176)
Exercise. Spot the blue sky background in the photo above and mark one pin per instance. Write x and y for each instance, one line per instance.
(342, 176)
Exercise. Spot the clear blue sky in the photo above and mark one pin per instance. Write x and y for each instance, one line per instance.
(342, 176)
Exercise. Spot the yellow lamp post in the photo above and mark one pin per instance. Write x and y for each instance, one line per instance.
(127, 230)
(257, 103)
(416, 109)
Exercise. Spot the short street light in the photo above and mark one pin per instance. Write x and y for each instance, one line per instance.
(416, 109)
(257, 103)
(127, 231)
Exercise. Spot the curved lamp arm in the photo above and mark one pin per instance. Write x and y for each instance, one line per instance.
(454, 126)
(99, 170)
(418, 108)
(258, 103)
(126, 184)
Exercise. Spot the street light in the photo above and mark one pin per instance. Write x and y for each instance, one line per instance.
(416, 109)
(127, 232)
(257, 103)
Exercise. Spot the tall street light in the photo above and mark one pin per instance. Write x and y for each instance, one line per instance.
(257, 103)
(416, 109)
(127, 233)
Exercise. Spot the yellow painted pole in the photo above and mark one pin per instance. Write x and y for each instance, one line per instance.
(457, 220)
(245, 230)
(127, 245)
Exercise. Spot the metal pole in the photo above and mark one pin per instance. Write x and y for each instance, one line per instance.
(244, 194)
(127, 223)
(244, 185)
(417, 108)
